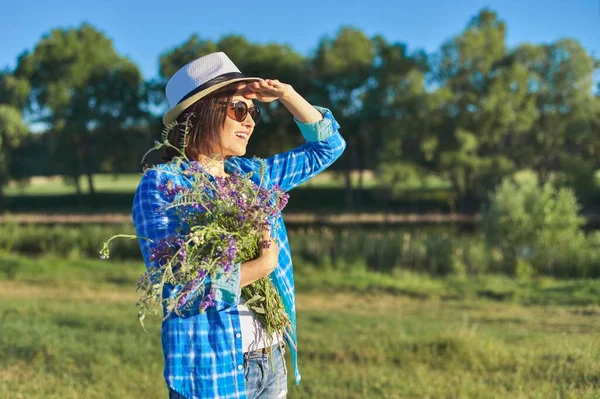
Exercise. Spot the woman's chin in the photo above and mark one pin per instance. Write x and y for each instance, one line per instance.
(237, 151)
(241, 151)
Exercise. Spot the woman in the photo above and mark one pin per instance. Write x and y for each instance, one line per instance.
(220, 353)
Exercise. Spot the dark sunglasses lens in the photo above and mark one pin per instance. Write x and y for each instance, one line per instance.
(241, 110)
(255, 114)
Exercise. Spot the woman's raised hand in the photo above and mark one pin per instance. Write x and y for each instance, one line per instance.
(267, 90)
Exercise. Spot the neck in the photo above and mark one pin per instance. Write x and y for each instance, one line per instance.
(214, 165)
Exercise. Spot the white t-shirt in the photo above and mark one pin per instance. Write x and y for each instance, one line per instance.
(253, 332)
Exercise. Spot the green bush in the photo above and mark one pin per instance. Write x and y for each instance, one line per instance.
(472, 257)
(537, 224)
(431, 251)
(70, 241)
(589, 258)
(428, 250)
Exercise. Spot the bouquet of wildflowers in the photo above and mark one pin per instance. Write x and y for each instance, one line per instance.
(222, 223)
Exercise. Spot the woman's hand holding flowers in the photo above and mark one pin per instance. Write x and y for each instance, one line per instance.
(263, 265)
(269, 254)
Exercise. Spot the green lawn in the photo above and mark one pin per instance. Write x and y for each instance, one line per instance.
(68, 330)
(126, 183)
(123, 183)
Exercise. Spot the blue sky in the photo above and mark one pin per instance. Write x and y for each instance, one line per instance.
(142, 30)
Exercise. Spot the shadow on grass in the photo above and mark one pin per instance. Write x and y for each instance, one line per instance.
(495, 295)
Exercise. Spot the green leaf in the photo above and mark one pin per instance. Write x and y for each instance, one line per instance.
(253, 299)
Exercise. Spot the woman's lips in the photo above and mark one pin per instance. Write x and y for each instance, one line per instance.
(242, 135)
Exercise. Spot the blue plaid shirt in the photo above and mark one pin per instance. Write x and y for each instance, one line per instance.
(203, 352)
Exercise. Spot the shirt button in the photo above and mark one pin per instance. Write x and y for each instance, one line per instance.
(238, 335)
(240, 367)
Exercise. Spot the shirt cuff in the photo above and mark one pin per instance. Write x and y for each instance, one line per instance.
(227, 288)
(320, 130)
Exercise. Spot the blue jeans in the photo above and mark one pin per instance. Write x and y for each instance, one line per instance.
(262, 381)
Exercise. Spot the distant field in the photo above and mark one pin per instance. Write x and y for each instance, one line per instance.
(123, 183)
(68, 330)
(126, 183)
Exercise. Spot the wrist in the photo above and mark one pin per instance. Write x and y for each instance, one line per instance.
(288, 95)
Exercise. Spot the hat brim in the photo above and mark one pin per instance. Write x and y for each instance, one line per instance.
(174, 112)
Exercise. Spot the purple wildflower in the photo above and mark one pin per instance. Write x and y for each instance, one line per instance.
(202, 273)
(232, 249)
(171, 190)
(263, 196)
(166, 248)
(195, 168)
(186, 293)
(197, 207)
(189, 287)
(208, 300)
(182, 255)
(230, 255)
(182, 300)
(144, 281)
(284, 200)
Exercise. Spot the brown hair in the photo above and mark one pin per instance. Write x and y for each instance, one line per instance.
(205, 119)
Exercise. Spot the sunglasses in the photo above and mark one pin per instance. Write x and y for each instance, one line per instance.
(239, 111)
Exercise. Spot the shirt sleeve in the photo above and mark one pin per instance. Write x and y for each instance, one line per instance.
(152, 221)
(324, 144)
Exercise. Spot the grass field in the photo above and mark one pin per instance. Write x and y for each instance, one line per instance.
(68, 330)
(126, 183)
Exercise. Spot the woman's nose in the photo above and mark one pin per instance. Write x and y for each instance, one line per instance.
(248, 122)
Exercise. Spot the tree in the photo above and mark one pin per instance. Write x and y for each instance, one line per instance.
(13, 95)
(342, 67)
(85, 92)
(469, 143)
(396, 113)
(453, 125)
(489, 112)
(563, 140)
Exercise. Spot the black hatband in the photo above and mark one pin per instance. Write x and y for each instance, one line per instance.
(219, 79)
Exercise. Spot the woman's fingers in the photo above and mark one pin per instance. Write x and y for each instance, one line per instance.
(258, 86)
(253, 86)
(266, 90)
(267, 84)
(274, 82)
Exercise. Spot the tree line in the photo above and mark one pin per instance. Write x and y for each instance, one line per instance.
(469, 114)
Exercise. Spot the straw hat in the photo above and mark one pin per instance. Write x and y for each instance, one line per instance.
(198, 79)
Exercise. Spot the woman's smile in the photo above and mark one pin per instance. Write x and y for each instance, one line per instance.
(243, 135)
